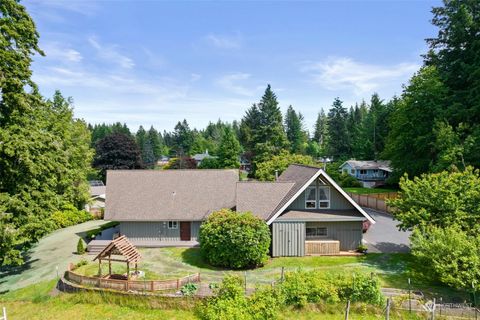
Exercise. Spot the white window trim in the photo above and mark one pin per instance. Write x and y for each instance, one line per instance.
(324, 201)
(316, 198)
(174, 225)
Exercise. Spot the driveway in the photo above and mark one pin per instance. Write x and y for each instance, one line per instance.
(55, 250)
(384, 236)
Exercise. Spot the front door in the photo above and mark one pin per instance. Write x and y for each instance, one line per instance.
(185, 231)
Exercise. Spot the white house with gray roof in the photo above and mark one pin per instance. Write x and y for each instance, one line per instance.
(371, 173)
(308, 213)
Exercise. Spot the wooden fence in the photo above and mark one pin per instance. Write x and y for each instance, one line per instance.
(131, 285)
(375, 201)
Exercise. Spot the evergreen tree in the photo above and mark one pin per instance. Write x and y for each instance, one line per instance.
(295, 132)
(375, 129)
(182, 139)
(320, 135)
(148, 157)
(141, 138)
(339, 142)
(154, 138)
(229, 150)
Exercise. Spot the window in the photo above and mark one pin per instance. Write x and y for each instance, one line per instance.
(324, 197)
(363, 171)
(172, 224)
(352, 171)
(310, 198)
(316, 232)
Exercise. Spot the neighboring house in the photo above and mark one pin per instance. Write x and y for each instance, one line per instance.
(370, 173)
(199, 157)
(96, 202)
(245, 164)
(308, 213)
(163, 160)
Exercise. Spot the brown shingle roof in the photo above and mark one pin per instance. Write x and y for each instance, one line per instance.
(120, 246)
(261, 198)
(159, 195)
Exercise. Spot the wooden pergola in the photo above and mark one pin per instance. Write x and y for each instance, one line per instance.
(121, 247)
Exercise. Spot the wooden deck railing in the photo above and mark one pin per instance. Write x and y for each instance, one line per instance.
(375, 201)
(131, 285)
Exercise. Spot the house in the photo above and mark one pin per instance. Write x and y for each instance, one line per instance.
(199, 157)
(308, 213)
(369, 173)
(163, 160)
(96, 203)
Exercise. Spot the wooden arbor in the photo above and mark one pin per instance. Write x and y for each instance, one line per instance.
(122, 247)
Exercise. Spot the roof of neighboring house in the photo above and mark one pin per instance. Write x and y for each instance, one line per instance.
(261, 198)
(321, 215)
(96, 191)
(159, 195)
(200, 156)
(369, 164)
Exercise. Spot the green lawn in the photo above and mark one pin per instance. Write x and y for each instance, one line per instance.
(369, 190)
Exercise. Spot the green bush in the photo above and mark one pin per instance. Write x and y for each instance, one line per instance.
(362, 248)
(234, 240)
(230, 302)
(189, 289)
(80, 246)
(69, 216)
(303, 287)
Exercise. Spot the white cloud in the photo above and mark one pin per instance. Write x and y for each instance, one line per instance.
(340, 73)
(61, 53)
(224, 41)
(230, 82)
(110, 53)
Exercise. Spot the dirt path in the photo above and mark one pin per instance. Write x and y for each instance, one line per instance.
(55, 250)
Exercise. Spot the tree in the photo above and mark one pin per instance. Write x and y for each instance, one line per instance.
(234, 239)
(117, 151)
(155, 141)
(229, 150)
(181, 163)
(266, 170)
(451, 254)
(99, 131)
(439, 199)
(375, 128)
(294, 128)
(141, 139)
(410, 142)
(339, 142)
(320, 134)
(148, 157)
(182, 138)
(262, 130)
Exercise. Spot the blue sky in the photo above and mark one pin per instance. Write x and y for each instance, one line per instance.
(158, 62)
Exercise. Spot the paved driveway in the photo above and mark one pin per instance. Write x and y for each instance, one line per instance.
(384, 236)
(55, 250)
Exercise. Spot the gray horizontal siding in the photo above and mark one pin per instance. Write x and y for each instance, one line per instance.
(349, 233)
(156, 231)
(288, 239)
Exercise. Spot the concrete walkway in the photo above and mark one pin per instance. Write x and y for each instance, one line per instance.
(55, 250)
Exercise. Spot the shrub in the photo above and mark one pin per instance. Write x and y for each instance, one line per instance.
(362, 248)
(230, 302)
(81, 263)
(189, 289)
(69, 216)
(234, 240)
(303, 287)
(80, 246)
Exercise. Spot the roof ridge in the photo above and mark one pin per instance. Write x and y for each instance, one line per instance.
(254, 181)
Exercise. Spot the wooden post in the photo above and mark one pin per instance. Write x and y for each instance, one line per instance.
(109, 265)
(136, 268)
(347, 310)
(283, 273)
(387, 311)
(99, 268)
(433, 309)
(128, 270)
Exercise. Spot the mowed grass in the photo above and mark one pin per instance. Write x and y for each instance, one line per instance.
(36, 302)
(369, 190)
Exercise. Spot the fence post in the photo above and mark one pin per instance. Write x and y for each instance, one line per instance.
(245, 282)
(433, 309)
(283, 274)
(387, 311)
(409, 296)
(347, 310)
(4, 313)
